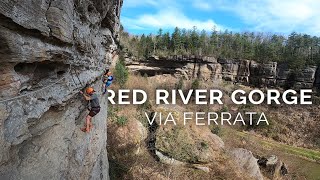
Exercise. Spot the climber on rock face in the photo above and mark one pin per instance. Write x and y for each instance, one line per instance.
(107, 81)
(94, 107)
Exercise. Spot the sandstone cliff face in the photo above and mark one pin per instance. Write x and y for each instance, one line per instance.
(50, 49)
(248, 72)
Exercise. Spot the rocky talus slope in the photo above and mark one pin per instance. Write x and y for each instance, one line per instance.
(138, 150)
(51, 49)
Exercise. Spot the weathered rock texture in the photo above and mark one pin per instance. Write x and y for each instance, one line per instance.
(245, 160)
(50, 49)
(273, 167)
(247, 72)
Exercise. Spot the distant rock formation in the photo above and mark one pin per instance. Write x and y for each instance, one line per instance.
(49, 50)
(247, 72)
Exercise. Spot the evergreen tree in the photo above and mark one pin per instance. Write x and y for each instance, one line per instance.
(297, 50)
(121, 72)
(194, 40)
(176, 41)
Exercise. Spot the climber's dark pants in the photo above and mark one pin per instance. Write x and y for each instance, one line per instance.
(94, 111)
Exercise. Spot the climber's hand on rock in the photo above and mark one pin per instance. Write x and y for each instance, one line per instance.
(81, 92)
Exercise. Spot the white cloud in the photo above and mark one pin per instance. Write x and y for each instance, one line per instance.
(130, 25)
(153, 4)
(282, 16)
(202, 5)
(136, 3)
(169, 18)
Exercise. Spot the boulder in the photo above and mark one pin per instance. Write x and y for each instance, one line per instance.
(273, 167)
(245, 160)
(170, 161)
(127, 138)
(173, 162)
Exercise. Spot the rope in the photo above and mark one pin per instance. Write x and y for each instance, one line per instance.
(33, 92)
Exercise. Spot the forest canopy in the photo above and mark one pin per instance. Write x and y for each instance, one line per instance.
(296, 49)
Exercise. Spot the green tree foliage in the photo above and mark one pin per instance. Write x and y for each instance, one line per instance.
(121, 72)
(176, 41)
(295, 49)
(121, 120)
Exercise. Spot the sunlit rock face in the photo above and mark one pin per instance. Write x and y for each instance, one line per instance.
(51, 49)
(247, 72)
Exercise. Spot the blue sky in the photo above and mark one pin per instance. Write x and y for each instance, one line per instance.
(275, 16)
